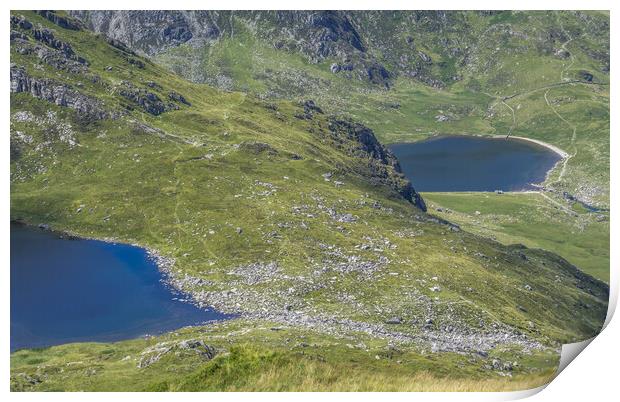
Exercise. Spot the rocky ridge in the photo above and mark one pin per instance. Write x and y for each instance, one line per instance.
(59, 94)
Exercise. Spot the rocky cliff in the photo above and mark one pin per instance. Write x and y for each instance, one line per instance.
(437, 48)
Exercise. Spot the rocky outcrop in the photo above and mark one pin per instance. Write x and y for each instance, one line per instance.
(382, 163)
(310, 108)
(63, 22)
(147, 101)
(45, 37)
(119, 45)
(18, 21)
(331, 29)
(51, 57)
(318, 35)
(375, 46)
(188, 347)
(61, 94)
(152, 31)
(177, 97)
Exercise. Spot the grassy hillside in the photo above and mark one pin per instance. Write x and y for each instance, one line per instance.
(532, 219)
(264, 357)
(541, 75)
(278, 212)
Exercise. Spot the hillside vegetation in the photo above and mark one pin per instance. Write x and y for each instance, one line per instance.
(408, 74)
(294, 218)
(412, 74)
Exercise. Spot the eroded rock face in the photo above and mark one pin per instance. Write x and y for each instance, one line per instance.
(331, 27)
(51, 57)
(60, 94)
(44, 36)
(151, 31)
(62, 22)
(147, 101)
(384, 166)
(318, 35)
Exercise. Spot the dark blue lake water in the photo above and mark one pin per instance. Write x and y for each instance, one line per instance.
(465, 163)
(85, 290)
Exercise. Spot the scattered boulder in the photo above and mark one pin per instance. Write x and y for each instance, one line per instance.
(155, 353)
(394, 320)
(147, 101)
(177, 97)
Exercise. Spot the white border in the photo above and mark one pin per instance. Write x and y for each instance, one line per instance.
(593, 375)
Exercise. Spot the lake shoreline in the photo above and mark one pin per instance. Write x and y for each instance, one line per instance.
(540, 185)
(164, 266)
(563, 154)
(497, 160)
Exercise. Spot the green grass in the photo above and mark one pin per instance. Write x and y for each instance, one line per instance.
(185, 190)
(253, 357)
(511, 54)
(532, 220)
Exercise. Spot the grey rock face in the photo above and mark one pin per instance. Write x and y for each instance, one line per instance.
(59, 20)
(47, 37)
(51, 57)
(148, 101)
(360, 44)
(43, 36)
(318, 35)
(151, 32)
(60, 94)
(384, 166)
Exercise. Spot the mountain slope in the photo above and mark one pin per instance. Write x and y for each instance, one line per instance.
(274, 210)
(408, 74)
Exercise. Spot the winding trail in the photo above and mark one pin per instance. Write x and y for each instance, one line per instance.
(514, 119)
(554, 202)
(563, 81)
(573, 149)
(572, 140)
(563, 47)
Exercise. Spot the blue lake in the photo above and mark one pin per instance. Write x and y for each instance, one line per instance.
(467, 163)
(86, 290)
